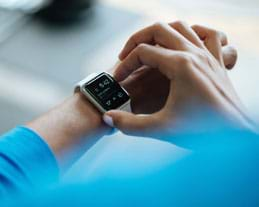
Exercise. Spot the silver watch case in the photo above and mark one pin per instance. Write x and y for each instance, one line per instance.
(80, 86)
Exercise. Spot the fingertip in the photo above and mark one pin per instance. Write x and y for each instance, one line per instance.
(129, 46)
(121, 56)
(120, 74)
(117, 77)
(116, 73)
(124, 53)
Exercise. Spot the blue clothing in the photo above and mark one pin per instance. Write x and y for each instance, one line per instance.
(25, 161)
(224, 171)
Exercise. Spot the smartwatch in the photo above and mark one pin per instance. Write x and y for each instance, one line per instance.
(104, 92)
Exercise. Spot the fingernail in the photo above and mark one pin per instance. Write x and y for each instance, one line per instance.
(108, 120)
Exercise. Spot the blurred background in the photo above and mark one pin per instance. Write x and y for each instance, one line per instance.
(47, 46)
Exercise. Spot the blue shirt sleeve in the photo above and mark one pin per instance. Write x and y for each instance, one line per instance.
(26, 162)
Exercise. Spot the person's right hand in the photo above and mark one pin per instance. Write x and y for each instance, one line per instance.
(191, 58)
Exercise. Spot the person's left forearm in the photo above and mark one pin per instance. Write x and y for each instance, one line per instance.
(70, 128)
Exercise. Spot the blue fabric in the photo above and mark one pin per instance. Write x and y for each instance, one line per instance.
(224, 173)
(26, 162)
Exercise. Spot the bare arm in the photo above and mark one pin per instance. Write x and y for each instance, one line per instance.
(70, 128)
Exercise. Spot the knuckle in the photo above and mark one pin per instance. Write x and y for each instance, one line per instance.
(194, 26)
(179, 24)
(185, 59)
(132, 39)
(141, 47)
(219, 35)
(214, 34)
(159, 30)
(202, 54)
(159, 26)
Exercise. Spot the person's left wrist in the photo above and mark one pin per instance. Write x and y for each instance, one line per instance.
(87, 117)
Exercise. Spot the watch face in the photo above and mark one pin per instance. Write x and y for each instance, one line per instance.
(107, 92)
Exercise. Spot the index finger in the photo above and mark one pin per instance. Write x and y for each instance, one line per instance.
(157, 58)
(157, 34)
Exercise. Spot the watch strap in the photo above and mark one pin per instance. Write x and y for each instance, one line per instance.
(126, 107)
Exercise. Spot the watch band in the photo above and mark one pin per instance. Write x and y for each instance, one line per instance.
(126, 107)
(79, 85)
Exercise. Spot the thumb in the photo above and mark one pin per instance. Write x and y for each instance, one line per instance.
(131, 124)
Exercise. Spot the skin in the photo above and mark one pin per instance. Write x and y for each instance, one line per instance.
(192, 61)
(75, 125)
(70, 129)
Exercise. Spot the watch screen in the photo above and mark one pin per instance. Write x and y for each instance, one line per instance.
(107, 92)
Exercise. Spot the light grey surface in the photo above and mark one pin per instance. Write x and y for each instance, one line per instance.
(52, 55)
(57, 52)
(10, 22)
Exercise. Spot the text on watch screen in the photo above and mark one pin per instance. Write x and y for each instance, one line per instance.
(107, 92)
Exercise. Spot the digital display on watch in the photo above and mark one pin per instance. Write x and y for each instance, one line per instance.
(107, 92)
